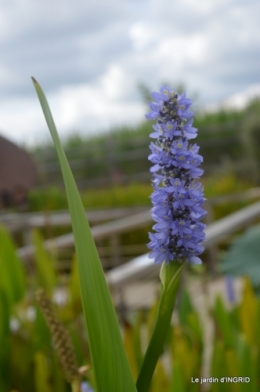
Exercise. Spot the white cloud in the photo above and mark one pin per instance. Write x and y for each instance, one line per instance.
(142, 35)
(90, 56)
(240, 100)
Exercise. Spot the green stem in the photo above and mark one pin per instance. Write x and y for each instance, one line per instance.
(75, 386)
(170, 277)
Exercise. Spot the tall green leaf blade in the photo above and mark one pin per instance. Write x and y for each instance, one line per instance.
(247, 364)
(12, 275)
(4, 342)
(218, 366)
(223, 322)
(185, 307)
(109, 361)
(74, 288)
(45, 271)
(41, 374)
(137, 340)
(248, 312)
(178, 382)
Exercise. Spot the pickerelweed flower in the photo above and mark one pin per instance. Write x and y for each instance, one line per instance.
(178, 196)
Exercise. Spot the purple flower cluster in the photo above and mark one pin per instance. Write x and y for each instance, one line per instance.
(178, 197)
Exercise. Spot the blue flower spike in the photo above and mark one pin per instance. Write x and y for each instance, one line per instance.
(177, 210)
(178, 196)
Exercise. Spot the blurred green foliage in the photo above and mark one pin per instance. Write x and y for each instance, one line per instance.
(27, 359)
(28, 362)
(225, 184)
(130, 195)
(228, 139)
(116, 196)
(104, 160)
(242, 258)
(136, 195)
(250, 137)
(235, 350)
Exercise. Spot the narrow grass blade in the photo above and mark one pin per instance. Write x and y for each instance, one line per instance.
(42, 374)
(109, 361)
(12, 274)
(224, 322)
(45, 271)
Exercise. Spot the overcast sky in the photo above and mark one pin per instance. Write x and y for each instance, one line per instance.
(90, 55)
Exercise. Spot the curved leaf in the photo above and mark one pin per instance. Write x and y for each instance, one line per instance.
(109, 361)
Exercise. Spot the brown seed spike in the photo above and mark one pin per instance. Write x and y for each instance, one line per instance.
(60, 336)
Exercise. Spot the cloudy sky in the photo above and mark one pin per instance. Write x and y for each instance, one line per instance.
(89, 57)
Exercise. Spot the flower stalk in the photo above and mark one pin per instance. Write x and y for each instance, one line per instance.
(170, 278)
(177, 210)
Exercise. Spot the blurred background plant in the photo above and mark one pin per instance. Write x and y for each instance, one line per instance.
(228, 141)
(112, 172)
(30, 363)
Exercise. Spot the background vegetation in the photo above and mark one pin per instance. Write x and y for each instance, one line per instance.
(112, 171)
(228, 139)
(28, 361)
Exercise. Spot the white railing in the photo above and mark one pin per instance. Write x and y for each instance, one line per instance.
(126, 219)
(99, 231)
(19, 221)
(142, 266)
